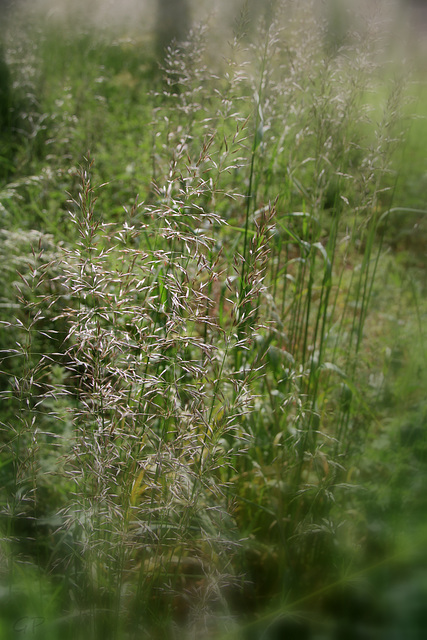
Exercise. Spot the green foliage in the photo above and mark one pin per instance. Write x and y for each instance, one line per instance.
(210, 380)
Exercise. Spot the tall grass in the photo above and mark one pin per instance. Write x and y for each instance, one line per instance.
(186, 382)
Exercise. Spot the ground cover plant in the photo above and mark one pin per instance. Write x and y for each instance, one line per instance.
(213, 349)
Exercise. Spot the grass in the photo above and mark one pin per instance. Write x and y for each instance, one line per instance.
(212, 346)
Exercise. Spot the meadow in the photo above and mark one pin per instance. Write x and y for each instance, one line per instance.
(212, 332)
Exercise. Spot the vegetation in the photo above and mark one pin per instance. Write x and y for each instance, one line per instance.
(212, 335)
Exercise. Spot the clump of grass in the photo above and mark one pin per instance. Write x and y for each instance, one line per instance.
(151, 361)
(152, 406)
